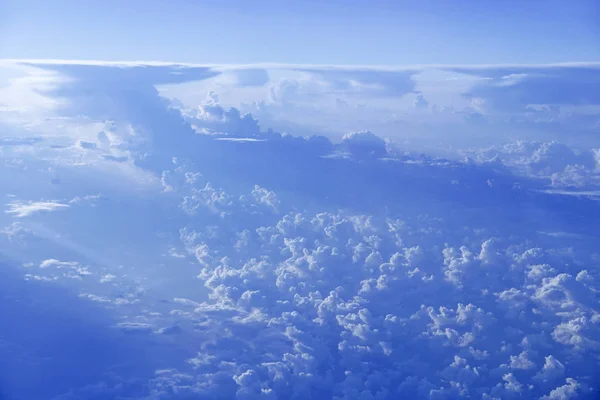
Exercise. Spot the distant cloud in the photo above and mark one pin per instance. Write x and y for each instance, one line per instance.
(246, 77)
(90, 198)
(555, 162)
(373, 81)
(17, 141)
(513, 88)
(507, 93)
(211, 118)
(364, 144)
(420, 102)
(25, 209)
(304, 267)
(283, 91)
(352, 279)
(87, 145)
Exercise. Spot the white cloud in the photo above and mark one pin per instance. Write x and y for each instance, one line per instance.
(211, 118)
(13, 230)
(52, 263)
(561, 166)
(384, 276)
(25, 209)
(23, 97)
(283, 91)
(364, 144)
(570, 390)
(108, 278)
(267, 197)
(332, 289)
(385, 93)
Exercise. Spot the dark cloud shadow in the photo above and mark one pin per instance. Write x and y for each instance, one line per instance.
(52, 341)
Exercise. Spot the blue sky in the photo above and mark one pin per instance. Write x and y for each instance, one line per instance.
(331, 32)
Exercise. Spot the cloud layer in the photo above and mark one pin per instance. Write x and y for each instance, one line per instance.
(235, 261)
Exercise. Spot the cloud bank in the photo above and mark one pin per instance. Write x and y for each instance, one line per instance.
(257, 264)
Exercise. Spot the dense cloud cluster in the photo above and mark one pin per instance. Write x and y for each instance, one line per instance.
(559, 164)
(340, 305)
(211, 118)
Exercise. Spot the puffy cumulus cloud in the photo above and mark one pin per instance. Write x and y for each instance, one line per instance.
(343, 305)
(559, 164)
(364, 144)
(213, 119)
(266, 197)
(339, 305)
(316, 301)
(200, 198)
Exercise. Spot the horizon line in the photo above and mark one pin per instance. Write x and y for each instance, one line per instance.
(270, 65)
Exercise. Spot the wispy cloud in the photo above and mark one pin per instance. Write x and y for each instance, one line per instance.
(25, 209)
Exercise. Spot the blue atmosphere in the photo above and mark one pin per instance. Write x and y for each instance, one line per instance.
(299, 200)
(310, 31)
